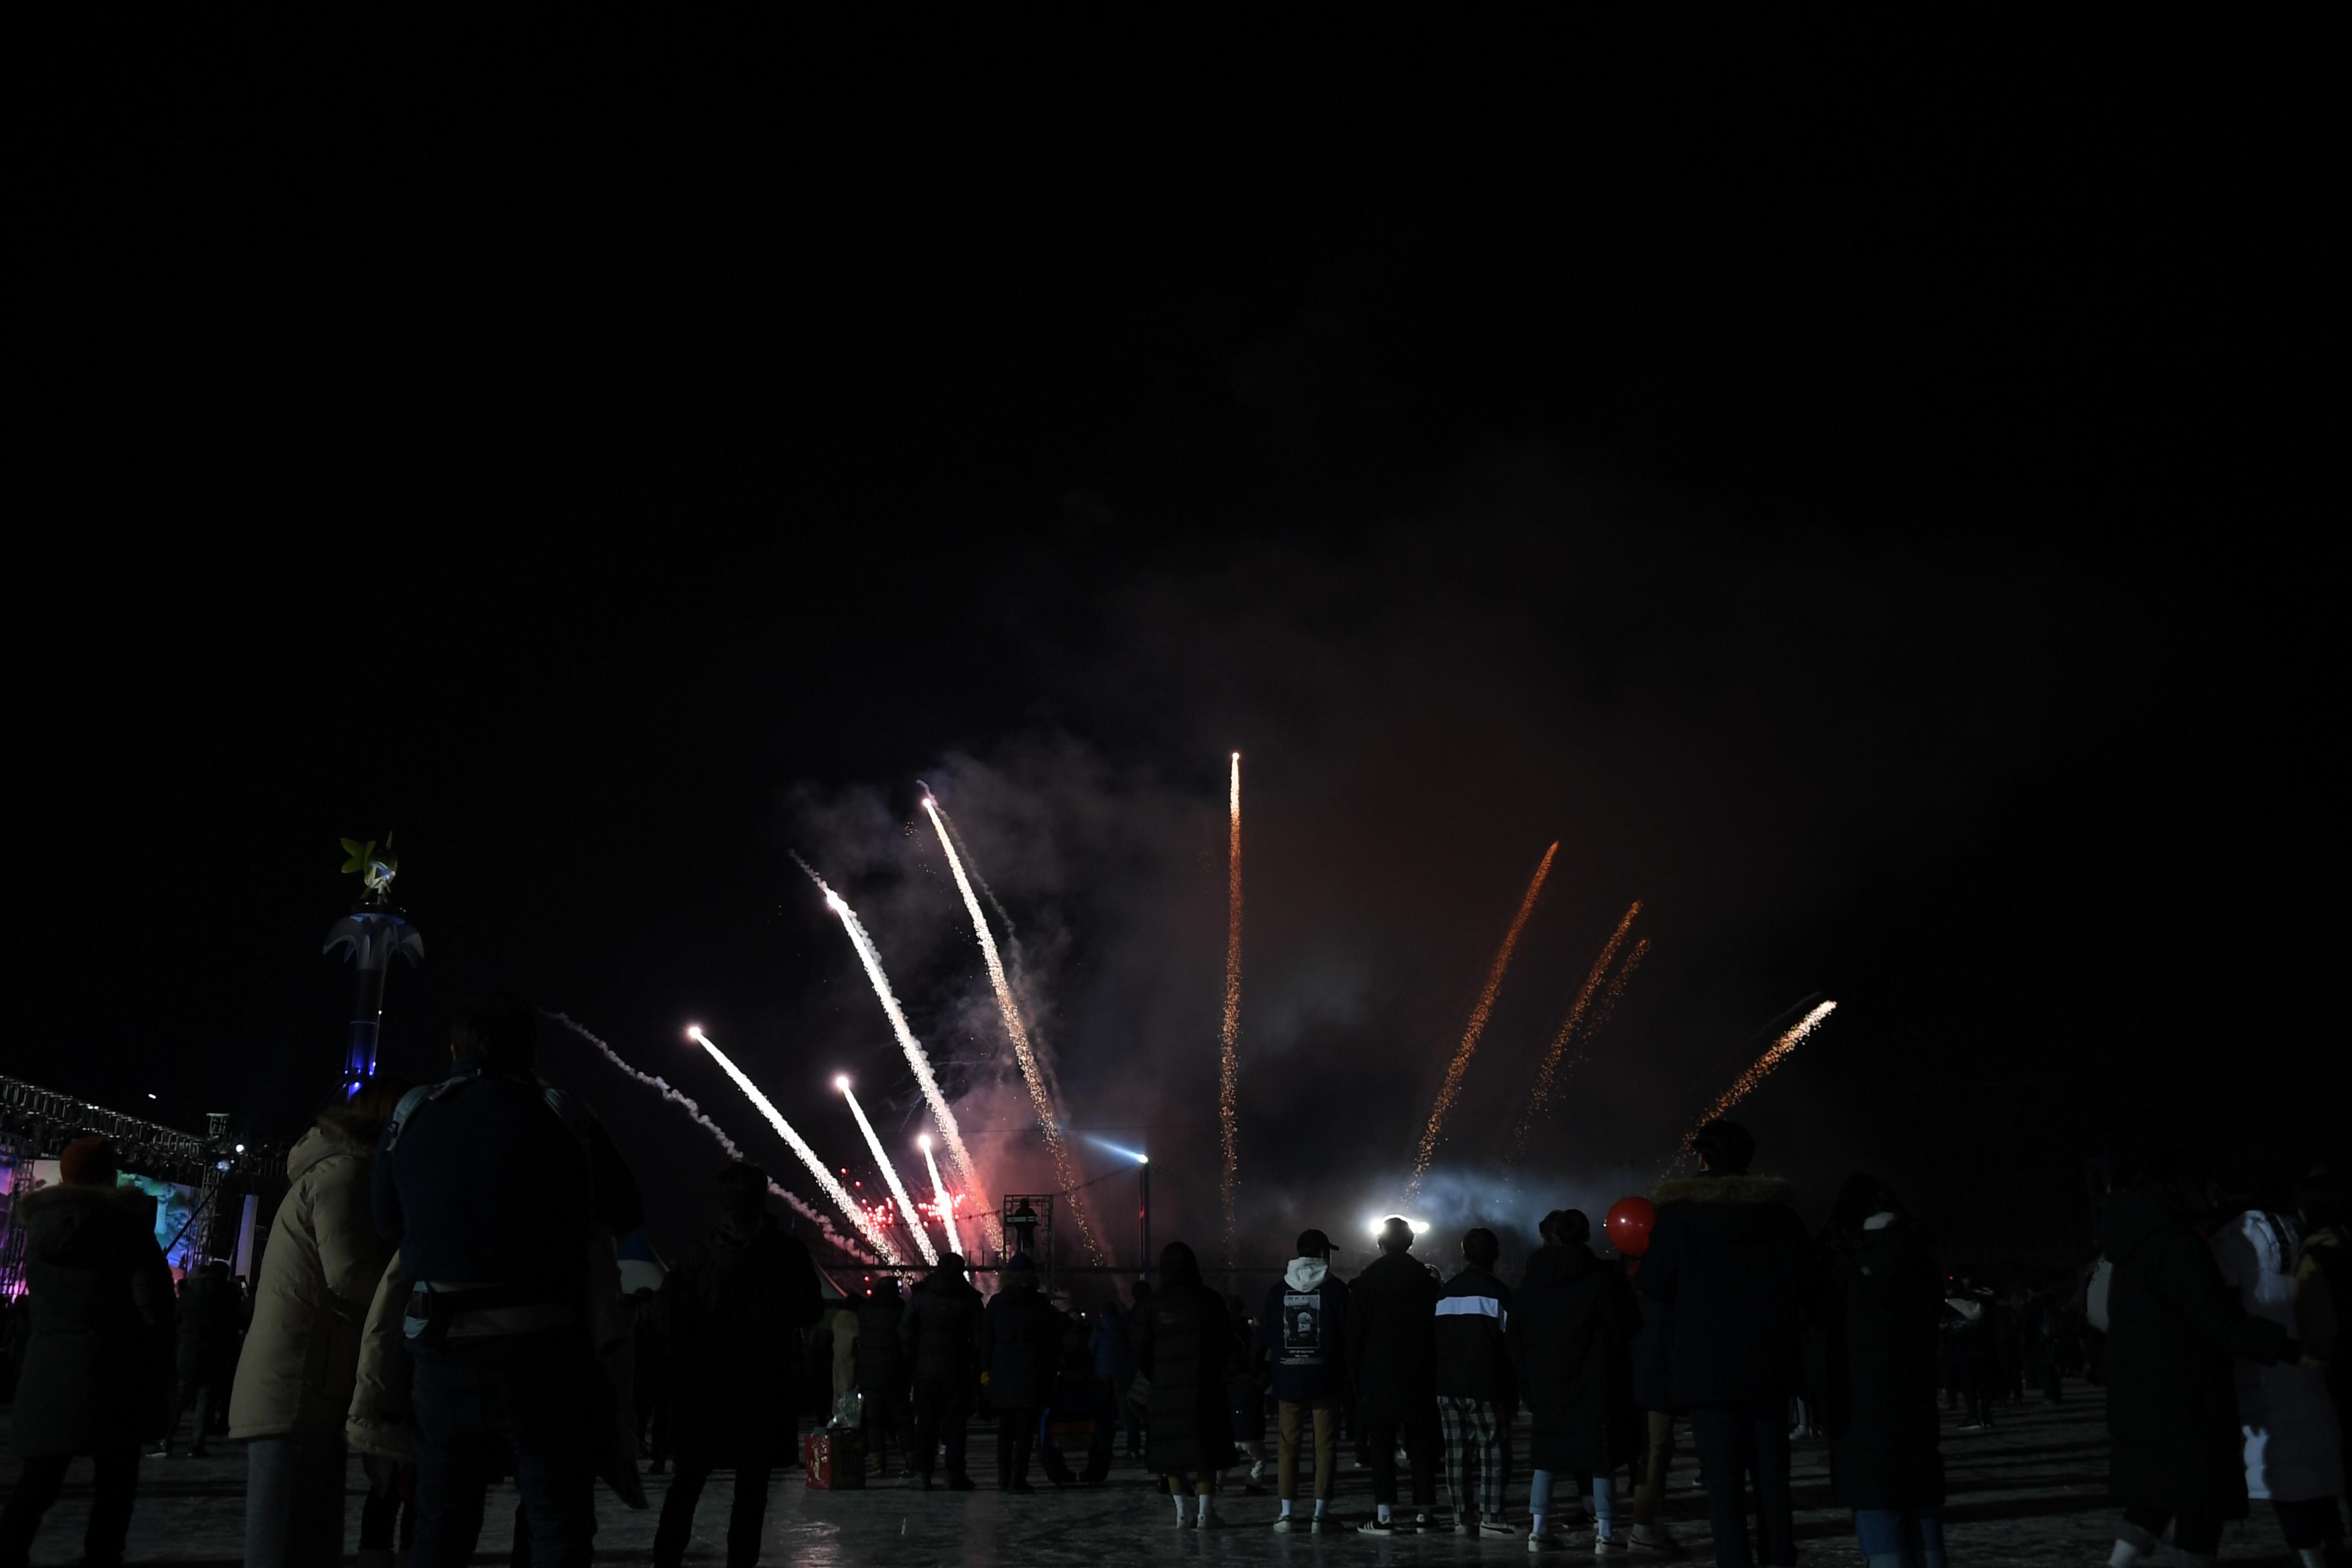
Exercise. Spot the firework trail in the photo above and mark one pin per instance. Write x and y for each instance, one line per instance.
(942, 1197)
(890, 1175)
(1559, 1041)
(825, 1178)
(1477, 1024)
(1048, 1112)
(823, 1222)
(1745, 1082)
(959, 1156)
(1229, 1065)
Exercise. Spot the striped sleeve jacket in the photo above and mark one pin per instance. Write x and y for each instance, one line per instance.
(1473, 1358)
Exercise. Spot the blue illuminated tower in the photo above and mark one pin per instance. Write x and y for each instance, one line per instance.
(374, 931)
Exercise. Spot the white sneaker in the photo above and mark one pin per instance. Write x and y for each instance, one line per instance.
(1497, 1529)
(1257, 1473)
(1289, 1523)
(1543, 1542)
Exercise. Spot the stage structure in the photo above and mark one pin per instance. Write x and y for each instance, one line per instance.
(374, 932)
(196, 1181)
(1027, 1223)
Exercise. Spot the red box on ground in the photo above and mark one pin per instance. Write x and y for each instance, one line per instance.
(833, 1461)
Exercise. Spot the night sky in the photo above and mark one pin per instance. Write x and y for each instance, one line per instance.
(1853, 489)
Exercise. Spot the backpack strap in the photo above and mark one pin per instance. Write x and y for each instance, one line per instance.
(418, 1096)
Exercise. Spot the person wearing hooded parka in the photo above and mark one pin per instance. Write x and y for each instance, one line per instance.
(1182, 1343)
(1878, 1303)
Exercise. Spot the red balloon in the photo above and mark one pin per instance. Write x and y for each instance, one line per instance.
(1628, 1224)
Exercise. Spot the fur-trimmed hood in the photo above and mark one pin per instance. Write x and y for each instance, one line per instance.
(1739, 1189)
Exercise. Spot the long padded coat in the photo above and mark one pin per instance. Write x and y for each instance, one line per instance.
(2174, 1329)
(1180, 1344)
(1879, 1299)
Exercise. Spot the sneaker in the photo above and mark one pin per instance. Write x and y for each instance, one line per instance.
(1257, 1473)
(1426, 1523)
(1544, 1542)
(1183, 1521)
(1376, 1525)
(1204, 1519)
(1289, 1523)
(1323, 1525)
(1608, 1546)
(1496, 1529)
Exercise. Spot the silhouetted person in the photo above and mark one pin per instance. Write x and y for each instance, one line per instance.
(1392, 1356)
(1021, 1344)
(1572, 1325)
(940, 1333)
(1246, 1377)
(2287, 1422)
(2325, 1200)
(1878, 1300)
(491, 1184)
(1303, 1332)
(1477, 1393)
(2175, 1328)
(1729, 1259)
(1181, 1346)
(882, 1375)
(739, 1297)
(209, 1320)
(294, 1382)
(96, 1376)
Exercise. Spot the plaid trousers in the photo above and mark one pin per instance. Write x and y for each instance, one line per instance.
(1469, 1422)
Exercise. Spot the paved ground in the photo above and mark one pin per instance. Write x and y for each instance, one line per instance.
(2031, 1491)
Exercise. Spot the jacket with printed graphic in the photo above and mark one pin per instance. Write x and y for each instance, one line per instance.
(1474, 1354)
(1303, 1332)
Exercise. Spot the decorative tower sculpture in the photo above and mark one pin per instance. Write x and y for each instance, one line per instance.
(374, 931)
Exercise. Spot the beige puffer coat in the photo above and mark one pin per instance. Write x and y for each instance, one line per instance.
(317, 1277)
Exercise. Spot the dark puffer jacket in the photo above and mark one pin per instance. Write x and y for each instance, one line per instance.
(1474, 1353)
(1878, 1303)
(1732, 1263)
(2173, 1328)
(1021, 1344)
(98, 1360)
(1572, 1326)
(881, 1358)
(212, 1323)
(738, 1299)
(939, 1329)
(1392, 1339)
(1182, 1341)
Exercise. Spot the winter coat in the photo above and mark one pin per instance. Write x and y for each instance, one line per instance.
(1180, 1344)
(843, 1323)
(97, 1364)
(1730, 1260)
(939, 1329)
(1109, 1344)
(1021, 1343)
(499, 1180)
(2174, 1326)
(1650, 1349)
(881, 1362)
(1392, 1339)
(741, 1296)
(378, 1423)
(1303, 1332)
(1571, 1333)
(1474, 1354)
(1878, 1300)
(211, 1314)
(1249, 1376)
(2293, 1445)
(319, 1275)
